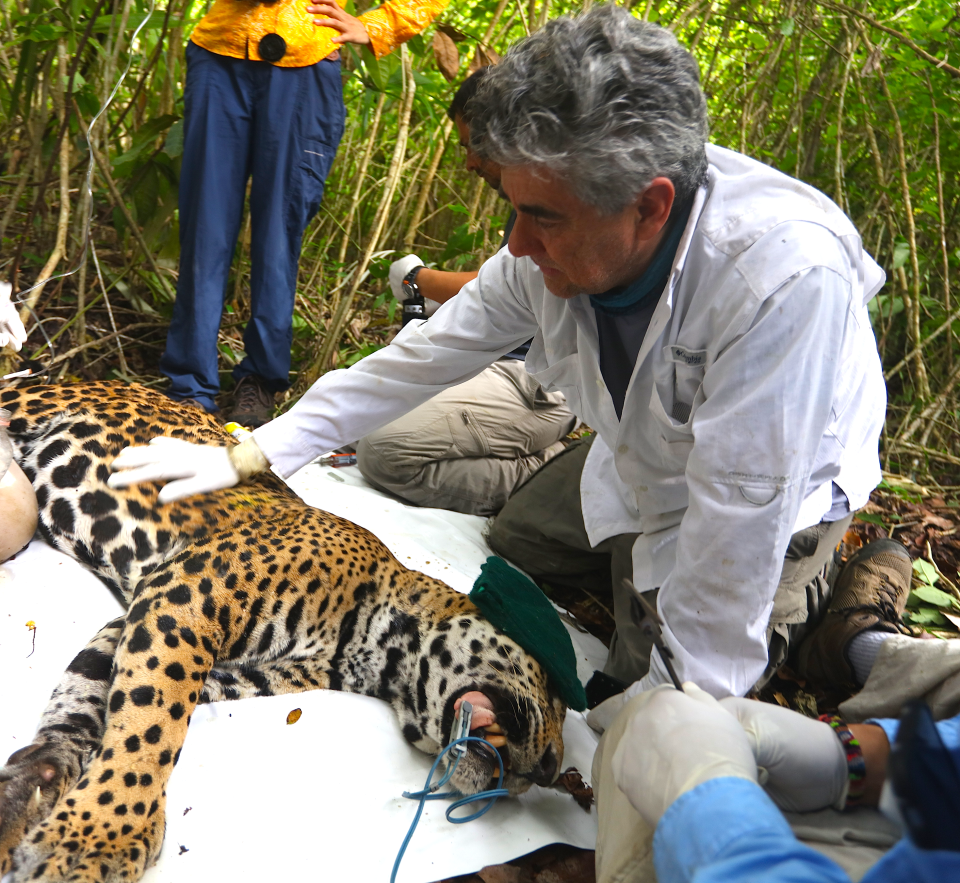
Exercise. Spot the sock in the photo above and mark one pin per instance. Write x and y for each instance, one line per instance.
(863, 651)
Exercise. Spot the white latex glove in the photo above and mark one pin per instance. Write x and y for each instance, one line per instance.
(198, 469)
(802, 765)
(12, 331)
(674, 743)
(399, 269)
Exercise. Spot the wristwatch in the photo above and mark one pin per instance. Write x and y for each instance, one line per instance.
(413, 304)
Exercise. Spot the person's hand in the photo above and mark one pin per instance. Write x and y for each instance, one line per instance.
(332, 16)
(603, 715)
(802, 764)
(12, 332)
(198, 469)
(675, 742)
(399, 269)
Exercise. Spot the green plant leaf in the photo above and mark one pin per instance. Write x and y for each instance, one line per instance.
(901, 251)
(787, 27)
(930, 595)
(926, 572)
(926, 616)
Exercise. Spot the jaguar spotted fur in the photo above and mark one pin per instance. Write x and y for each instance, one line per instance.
(243, 592)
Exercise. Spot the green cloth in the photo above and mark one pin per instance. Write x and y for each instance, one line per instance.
(516, 606)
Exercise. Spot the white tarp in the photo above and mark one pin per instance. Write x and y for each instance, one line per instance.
(253, 798)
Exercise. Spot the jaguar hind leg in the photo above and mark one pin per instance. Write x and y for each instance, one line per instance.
(38, 775)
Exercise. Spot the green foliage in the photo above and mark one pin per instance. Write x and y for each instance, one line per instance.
(831, 94)
(926, 604)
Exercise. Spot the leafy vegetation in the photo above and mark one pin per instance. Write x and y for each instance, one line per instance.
(859, 100)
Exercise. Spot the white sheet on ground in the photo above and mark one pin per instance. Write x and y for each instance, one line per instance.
(253, 798)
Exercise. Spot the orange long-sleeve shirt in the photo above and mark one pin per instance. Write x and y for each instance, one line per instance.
(235, 28)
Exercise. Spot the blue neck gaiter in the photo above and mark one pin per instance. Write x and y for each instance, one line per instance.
(620, 301)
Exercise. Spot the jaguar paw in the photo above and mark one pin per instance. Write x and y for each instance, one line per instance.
(86, 840)
(31, 783)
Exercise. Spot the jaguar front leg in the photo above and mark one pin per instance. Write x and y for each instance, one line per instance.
(38, 775)
(110, 826)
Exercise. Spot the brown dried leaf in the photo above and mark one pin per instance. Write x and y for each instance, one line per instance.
(294, 716)
(953, 618)
(936, 520)
(502, 874)
(447, 56)
(482, 58)
(572, 782)
(781, 700)
(453, 33)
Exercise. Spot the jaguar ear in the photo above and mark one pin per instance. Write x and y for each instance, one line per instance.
(483, 713)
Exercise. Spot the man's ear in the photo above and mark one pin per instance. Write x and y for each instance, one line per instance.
(653, 207)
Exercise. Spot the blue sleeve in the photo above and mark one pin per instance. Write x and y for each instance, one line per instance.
(728, 831)
(907, 864)
(949, 730)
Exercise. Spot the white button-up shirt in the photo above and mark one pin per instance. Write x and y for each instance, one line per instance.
(762, 331)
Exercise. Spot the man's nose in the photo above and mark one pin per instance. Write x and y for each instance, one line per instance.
(523, 241)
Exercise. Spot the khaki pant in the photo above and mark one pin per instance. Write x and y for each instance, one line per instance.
(541, 530)
(470, 447)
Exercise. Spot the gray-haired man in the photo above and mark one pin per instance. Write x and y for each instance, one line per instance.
(703, 312)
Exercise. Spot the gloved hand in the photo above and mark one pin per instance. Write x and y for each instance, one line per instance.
(12, 331)
(674, 743)
(399, 269)
(802, 764)
(603, 715)
(198, 469)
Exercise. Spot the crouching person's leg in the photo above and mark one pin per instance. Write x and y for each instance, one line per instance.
(470, 447)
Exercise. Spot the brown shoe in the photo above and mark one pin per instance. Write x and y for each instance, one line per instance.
(252, 402)
(870, 593)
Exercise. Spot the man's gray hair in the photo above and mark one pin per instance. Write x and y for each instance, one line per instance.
(604, 100)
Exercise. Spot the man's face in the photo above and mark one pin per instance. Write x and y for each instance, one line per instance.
(578, 249)
(489, 171)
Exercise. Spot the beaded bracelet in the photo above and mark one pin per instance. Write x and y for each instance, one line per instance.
(856, 767)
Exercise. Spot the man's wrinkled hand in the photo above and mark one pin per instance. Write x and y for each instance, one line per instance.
(190, 468)
(330, 15)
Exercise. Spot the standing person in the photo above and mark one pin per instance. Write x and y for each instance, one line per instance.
(469, 448)
(706, 314)
(263, 101)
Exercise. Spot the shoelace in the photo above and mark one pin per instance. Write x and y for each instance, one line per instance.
(249, 396)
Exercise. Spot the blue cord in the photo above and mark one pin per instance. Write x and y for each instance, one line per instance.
(429, 792)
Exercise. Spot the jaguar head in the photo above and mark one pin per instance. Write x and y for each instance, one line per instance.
(515, 708)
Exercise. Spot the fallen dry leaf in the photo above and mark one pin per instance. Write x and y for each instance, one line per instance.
(294, 716)
(502, 874)
(781, 700)
(447, 56)
(572, 782)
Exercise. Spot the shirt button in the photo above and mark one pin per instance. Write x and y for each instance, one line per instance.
(622, 449)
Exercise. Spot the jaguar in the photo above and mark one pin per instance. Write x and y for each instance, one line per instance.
(243, 592)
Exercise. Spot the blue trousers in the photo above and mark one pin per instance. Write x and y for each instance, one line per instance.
(279, 127)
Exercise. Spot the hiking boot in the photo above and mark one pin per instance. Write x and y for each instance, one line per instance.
(252, 402)
(870, 593)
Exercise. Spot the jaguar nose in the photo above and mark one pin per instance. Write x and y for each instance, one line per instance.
(546, 770)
